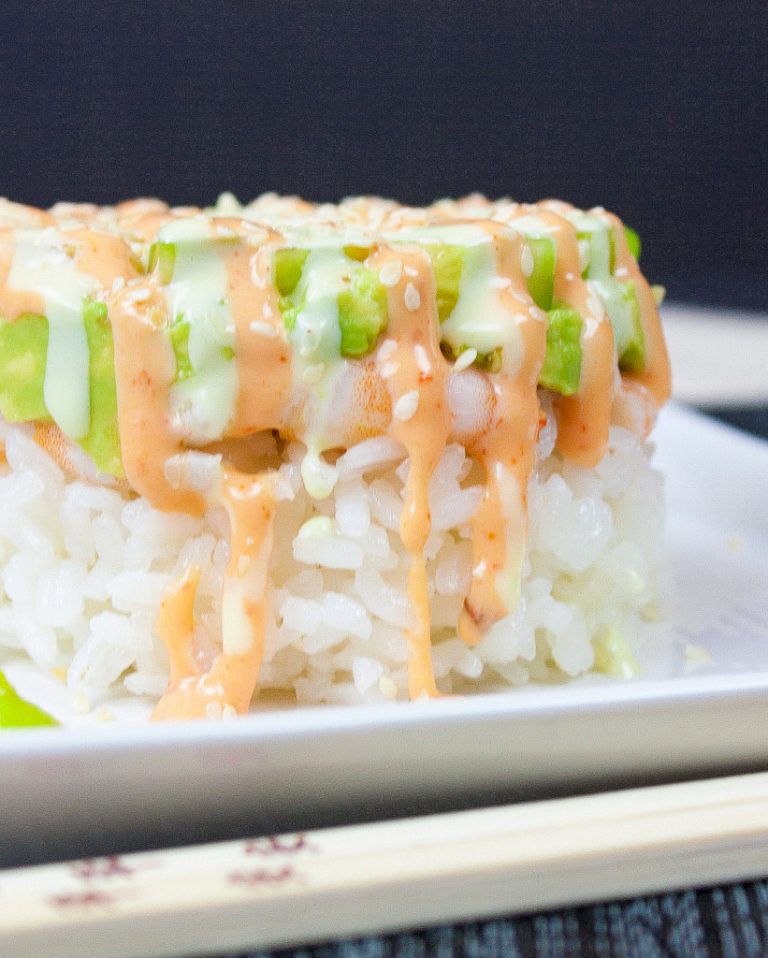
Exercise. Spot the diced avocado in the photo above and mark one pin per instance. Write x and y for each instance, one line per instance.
(362, 313)
(488, 362)
(23, 352)
(447, 264)
(359, 253)
(179, 334)
(102, 442)
(287, 267)
(542, 280)
(289, 312)
(16, 712)
(23, 358)
(561, 370)
(613, 655)
(633, 242)
(602, 252)
(162, 256)
(620, 302)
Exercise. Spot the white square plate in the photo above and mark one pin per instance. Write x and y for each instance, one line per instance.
(98, 789)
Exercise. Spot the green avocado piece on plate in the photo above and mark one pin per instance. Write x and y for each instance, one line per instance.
(16, 712)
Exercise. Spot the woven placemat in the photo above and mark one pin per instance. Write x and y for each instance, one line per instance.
(727, 922)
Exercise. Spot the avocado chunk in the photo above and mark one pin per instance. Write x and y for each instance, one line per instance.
(102, 441)
(361, 300)
(633, 242)
(541, 282)
(362, 313)
(23, 358)
(620, 302)
(561, 370)
(488, 362)
(16, 712)
(359, 253)
(23, 352)
(602, 251)
(179, 334)
(447, 265)
(287, 266)
(162, 257)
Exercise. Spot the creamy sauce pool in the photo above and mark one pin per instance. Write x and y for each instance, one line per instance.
(404, 389)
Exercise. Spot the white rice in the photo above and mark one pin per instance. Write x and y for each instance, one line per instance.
(83, 569)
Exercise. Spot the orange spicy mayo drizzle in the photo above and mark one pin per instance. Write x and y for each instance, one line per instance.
(228, 684)
(656, 375)
(145, 368)
(583, 420)
(505, 450)
(262, 350)
(410, 362)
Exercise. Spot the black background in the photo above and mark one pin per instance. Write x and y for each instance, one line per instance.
(657, 110)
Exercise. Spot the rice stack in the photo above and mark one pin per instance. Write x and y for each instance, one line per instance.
(354, 452)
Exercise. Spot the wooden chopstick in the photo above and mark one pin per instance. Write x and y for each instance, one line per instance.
(387, 875)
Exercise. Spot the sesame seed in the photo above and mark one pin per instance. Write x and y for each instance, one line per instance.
(410, 271)
(387, 349)
(570, 276)
(621, 271)
(262, 328)
(213, 710)
(118, 284)
(594, 306)
(81, 704)
(526, 260)
(422, 360)
(253, 266)
(387, 687)
(406, 406)
(138, 295)
(521, 297)
(412, 298)
(388, 370)
(267, 311)
(391, 272)
(465, 360)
